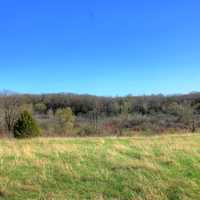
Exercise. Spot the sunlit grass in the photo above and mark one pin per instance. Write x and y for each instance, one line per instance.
(140, 168)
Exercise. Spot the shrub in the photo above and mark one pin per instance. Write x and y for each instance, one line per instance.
(40, 108)
(64, 119)
(87, 131)
(26, 126)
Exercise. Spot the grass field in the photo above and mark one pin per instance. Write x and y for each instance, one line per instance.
(140, 168)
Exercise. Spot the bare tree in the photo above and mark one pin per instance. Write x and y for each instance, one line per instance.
(10, 109)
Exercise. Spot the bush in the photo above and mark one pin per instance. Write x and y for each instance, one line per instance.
(87, 131)
(26, 126)
(40, 108)
(64, 119)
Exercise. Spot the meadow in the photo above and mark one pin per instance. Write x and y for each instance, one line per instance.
(163, 167)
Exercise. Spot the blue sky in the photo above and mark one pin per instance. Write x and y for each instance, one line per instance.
(102, 47)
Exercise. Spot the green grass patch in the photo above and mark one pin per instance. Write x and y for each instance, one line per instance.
(140, 168)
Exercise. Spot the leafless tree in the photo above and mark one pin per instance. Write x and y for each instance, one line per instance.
(9, 105)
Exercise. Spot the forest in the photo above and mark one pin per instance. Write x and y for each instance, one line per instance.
(66, 114)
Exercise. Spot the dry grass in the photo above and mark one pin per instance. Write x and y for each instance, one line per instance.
(140, 168)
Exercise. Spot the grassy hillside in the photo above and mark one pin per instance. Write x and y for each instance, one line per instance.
(141, 168)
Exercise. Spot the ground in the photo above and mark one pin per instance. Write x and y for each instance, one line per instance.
(137, 168)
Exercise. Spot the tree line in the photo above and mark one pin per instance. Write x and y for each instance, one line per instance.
(68, 114)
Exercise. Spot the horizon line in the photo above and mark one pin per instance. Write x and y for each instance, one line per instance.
(10, 92)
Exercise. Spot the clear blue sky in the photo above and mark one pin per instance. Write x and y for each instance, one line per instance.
(102, 47)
